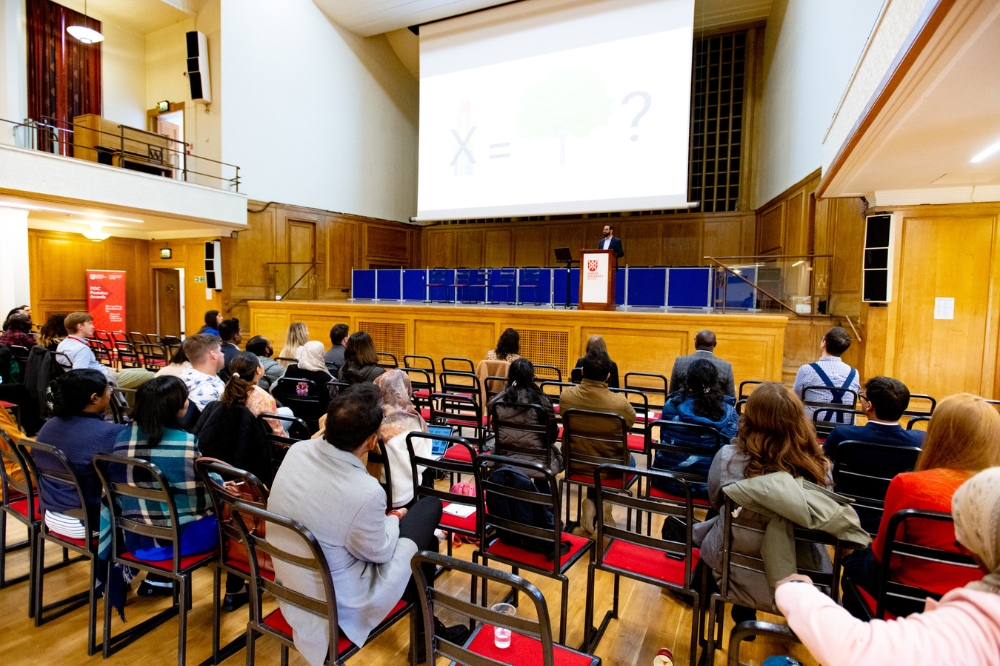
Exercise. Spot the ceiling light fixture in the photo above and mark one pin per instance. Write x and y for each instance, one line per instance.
(64, 211)
(83, 33)
(96, 234)
(986, 153)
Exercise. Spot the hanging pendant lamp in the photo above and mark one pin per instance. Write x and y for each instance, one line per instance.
(83, 33)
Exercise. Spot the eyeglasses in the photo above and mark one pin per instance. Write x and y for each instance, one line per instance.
(863, 395)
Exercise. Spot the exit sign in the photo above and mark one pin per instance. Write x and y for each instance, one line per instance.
(199, 278)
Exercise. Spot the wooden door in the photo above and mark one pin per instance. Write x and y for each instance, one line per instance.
(301, 244)
(943, 258)
(168, 301)
(175, 147)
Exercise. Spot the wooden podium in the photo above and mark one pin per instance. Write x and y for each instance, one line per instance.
(598, 269)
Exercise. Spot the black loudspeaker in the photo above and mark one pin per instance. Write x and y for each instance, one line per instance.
(197, 67)
(877, 269)
(213, 265)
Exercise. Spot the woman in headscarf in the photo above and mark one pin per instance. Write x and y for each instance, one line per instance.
(310, 365)
(962, 628)
(400, 418)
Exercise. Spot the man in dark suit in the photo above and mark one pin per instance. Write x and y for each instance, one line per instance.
(609, 242)
(704, 344)
(883, 400)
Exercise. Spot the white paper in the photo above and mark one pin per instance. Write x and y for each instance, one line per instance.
(944, 308)
(459, 510)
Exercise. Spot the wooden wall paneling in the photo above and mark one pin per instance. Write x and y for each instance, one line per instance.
(771, 230)
(564, 235)
(300, 245)
(386, 246)
(681, 243)
(498, 248)
(846, 243)
(189, 254)
(723, 237)
(340, 259)
(531, 244)
(643, 246)
(463, 337)
(469, 248)
(441, 247)
(796, 234)
(636, 350)
(748, 234)
(753, 93)
(254, 247)
(129, 255)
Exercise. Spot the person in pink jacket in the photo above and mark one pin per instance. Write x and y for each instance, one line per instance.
(962, 628)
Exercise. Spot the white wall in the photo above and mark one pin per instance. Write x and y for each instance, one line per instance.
(314, 115)
(810, 50)
(123, 72)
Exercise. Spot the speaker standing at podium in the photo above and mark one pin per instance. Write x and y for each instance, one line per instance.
(609, 242)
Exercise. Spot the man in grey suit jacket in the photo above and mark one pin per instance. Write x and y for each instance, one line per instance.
(704, 344)
(323, 484)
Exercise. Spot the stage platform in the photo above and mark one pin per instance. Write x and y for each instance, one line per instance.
(638, 339)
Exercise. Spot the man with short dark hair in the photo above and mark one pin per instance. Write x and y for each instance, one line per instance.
(609, 242)
(831, 372)
(261, 347)
(883, 400)
(232, 336)
(334, 358)
(704, 347)
(368, 547)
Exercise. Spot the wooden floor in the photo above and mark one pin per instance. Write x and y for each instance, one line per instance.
(648, 621)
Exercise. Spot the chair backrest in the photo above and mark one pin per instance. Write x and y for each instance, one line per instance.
(450, 465)
(740, 404)
(648, 383)
(457, 364)
(149, 486)
(15, 486)
(553, 390)
(484, 466)
(452, 381)
(547, 372)
(508, 431)
(387, 360)
(825, 419)
(640, 403)
(921, 404)
(277, 445)
(302, 397)
(901, 599)
(305, 554)
(154, 355)
(121, 405)
(456, 410)
(101, 352)
(432, 599)
(379, 457)
(48, 463)
(747, 387)
(918, 423)
(686, 439)
(421, 379)
(137, 338)
(862, 472)
(247, 489)
(418, 361)
(585, 430)
(848, 399)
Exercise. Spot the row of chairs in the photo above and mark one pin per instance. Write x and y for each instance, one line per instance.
(136, 350)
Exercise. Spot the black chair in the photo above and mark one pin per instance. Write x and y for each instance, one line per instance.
(506, 279)
(648, 383)
(307, 555)
(567, 548)
(437, 279)
(101, 352)
(459, 462)
(681, 439)
(748, 631)
(637, 433)
(457, 364)
(387, 360)
(918, 423)
(122, 401)
(493, 386)
(460, 403)
(533, 422)
(154, 355)
(824, 425)
(663, 562)
(20, 502)
(553, 390)
(530, 640)
(127, 353)
(422, 384)
(848, 401)
(862, 472)
(233, 557)
(745, 388)
(148, 486)
(20, 356)
(137, 338)
(277, 444)
(547, 372)
(303, 397)
(425, 363)
(531, 278)
(925, 405)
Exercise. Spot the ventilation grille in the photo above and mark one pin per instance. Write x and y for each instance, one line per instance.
(546, 348)
(387, 337)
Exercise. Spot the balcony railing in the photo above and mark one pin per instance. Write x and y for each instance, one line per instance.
(126, 148)
(791, 282)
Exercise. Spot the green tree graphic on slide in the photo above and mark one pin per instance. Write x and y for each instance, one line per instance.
(569, 102)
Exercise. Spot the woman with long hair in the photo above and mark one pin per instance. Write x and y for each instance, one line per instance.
(512, 407)
(52, 332)
(400, 418)
(774, 435)
(963, 438)
(212, 321)
(595, 343)
(298, 335)
(700, 401)
(18, 331)
(360, 360)
(508, 347)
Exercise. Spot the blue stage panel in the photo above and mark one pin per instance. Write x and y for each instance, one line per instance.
(620, 286)
(387, 281)
(474, 281)
(647, 287)
(414, 284)
(739, 294)
(440, 282)
(503, 285)
(535, 285)
(364, 284)
(559, 286)
(689, 287)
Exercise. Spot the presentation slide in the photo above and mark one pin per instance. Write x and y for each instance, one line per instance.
(553, 108)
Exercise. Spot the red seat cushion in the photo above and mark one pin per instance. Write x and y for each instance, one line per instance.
(21, 507)
(523, 650)
(871, 603)
(7, 405)
(697, 501)
(422, 393)
(653, 416)
(425, 413)
(168, 565)
(468, 523)
(538, 560)
(457, 452)
(636, 442)
(648, 561)
(277, 621)
(466, 420)
(610, 483)
(79, 543)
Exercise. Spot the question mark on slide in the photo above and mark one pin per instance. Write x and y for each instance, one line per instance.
(646, 99)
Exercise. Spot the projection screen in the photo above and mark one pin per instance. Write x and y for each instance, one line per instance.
(555, 106)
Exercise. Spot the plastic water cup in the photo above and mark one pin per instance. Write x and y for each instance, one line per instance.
(501, 635)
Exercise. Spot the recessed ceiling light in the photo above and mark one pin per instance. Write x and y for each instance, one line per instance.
(986, 153)
(96, 234)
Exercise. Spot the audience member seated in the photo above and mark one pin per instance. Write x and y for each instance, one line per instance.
(298, 335)
(962, 628)
(18, 331)
(522, 391)
(310, 365)
(178, 364)
(508, 347)
(828, 371)
(19, 310)
(156, 436)
(399, 419)
(52, 332)
(700, 401)
(212, 322)
(335, 357)
(704, 348)
(774, 436)
(360, 360)
(232, 336)
(261, 347)
(367, 548)
(80, 326)
(202, 378)
(595, 343)
(78, 429)
(963, 438)
(593, 394)
(883, 401)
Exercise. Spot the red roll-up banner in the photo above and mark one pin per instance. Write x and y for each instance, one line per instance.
(106, 299)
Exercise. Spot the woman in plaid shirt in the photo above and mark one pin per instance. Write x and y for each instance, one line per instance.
(18, 331)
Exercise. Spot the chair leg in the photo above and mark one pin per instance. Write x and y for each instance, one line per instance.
(563, 610)
(588, 615)
(33, 551)
(250, 645)
(92, 610)
(284, 655)
(216, 615)
(107, 611)
(695, 629)
(39, 566)
(614, 602)
(413, 635)
(184, 594)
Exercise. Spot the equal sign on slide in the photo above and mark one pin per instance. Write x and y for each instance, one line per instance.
(495, 146)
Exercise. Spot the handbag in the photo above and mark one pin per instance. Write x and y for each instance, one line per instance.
(235, 549)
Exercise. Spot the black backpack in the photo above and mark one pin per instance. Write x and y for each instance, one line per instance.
(519, 511)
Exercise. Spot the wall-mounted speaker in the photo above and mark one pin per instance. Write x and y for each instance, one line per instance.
(197, 67)
(876, 282)
(213, 265)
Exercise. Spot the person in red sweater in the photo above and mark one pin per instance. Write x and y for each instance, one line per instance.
(963, 438)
